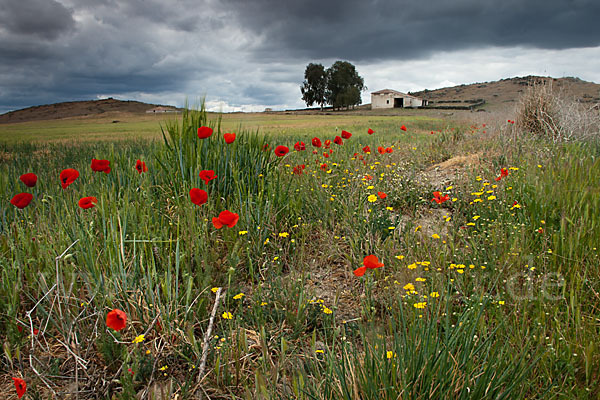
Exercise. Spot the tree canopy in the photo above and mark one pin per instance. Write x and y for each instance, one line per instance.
(314, 86)
(340, 85)
(344, 85)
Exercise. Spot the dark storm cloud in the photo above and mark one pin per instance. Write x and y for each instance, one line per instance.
(253, 53)
(45, 19)
(379, 29)
(53, 52)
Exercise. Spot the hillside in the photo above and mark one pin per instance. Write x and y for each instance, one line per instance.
(75, 109)
(498, 95)
(506, 92)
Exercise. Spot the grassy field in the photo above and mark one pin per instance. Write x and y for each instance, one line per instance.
(115, 126)
(489, 293)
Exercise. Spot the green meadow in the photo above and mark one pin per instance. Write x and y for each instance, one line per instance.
(116, 126)
(490, 292)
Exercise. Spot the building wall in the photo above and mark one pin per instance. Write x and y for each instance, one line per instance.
(382, 100)
(412, 102)
(387, 101)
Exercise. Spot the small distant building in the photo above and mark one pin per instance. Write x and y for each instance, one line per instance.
(388, 98)
(161, 109)
(268, 109)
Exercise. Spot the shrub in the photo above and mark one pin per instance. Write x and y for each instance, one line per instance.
(544, 112)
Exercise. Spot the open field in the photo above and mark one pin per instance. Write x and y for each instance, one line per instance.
(490, 292)
(143, 126)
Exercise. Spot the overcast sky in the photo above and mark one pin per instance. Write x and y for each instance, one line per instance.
(251, 54)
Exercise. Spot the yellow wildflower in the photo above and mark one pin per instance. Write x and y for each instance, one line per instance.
(139, 339)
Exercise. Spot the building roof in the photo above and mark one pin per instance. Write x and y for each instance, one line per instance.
(394, 92)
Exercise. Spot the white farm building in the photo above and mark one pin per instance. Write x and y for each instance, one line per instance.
(388, 98)
(161, 109)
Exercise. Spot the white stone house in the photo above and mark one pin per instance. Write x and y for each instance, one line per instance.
(161, 109)
(388, 98)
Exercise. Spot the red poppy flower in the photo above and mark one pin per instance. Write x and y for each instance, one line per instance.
(338, 140)
(370, 131)
(204, 132)
(323, 167)
(438, 198)
(371, 262)
(368, 177)
(389, 150)
(366, 149)
(346, 135)
(198, 196)
(316, 142)
(360, 271)
(298, 169)
(68, 176)
(266, 147)
(140, 166)
(20, 386)
(207, 175)
(403, 128)
(116, 319)
(381, 150)
(87, 202)
(281, 151)
(326, 155)
(21, 200)
(382, 195)
(300, 146)
(100, 165)
(327, 143)
(29, 179)
(226, 218)
(503, 173)
(229, 137)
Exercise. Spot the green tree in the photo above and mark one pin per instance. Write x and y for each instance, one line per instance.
(314, 86)
(344, 85)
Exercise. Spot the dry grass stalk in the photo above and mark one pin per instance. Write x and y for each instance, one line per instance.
(544, 112)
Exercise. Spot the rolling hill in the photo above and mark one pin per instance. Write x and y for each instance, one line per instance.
(506, 92)
(498, 95)
(75, 109)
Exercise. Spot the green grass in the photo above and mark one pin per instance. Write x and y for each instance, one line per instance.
(503, 304)
(132, 126)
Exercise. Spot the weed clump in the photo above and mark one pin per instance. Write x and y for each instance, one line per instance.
(544, 112)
